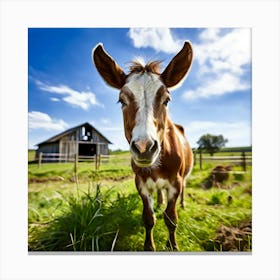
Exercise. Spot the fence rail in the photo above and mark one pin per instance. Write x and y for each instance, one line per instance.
(199, 158)
(56, 157)
(242, 159)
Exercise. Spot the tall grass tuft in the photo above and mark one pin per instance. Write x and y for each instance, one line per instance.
(91, 221)
(79, 228)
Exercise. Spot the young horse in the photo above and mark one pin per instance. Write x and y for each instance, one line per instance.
(161, 157)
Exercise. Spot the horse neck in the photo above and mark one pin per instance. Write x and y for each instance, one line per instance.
(169, 134)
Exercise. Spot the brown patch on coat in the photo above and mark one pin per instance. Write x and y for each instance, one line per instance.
(129, 111)
(174, 162)
(160, 111)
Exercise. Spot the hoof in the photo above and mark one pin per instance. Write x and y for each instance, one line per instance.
(172, 247)
(149, 247)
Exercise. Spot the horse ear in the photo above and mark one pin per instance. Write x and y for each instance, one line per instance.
(178, 66)
(109, 70)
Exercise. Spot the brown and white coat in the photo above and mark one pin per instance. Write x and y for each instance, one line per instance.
(161, 157)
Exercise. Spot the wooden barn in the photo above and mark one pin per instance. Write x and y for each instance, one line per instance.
(83, 140)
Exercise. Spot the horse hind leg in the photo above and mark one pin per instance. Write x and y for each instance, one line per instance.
(182, 196)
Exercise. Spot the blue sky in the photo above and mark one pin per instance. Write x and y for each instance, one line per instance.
(65, 90)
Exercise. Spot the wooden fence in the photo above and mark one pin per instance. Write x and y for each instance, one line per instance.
(55, 157)
(243, 159)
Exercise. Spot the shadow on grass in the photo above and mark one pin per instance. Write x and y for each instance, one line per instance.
(93, 222)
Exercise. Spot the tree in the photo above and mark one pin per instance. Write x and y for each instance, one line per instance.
(211, 143)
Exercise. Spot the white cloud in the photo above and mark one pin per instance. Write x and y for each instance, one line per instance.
(225, 83)
(237, 133)
(39, 120)
(83, 99)
(232, 48)
(222, 60)
(209, 34)
(105, 121)
(160, 39)
(222, 56)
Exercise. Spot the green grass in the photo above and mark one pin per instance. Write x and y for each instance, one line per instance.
(116, 168)
(31, 155)
(102, 211)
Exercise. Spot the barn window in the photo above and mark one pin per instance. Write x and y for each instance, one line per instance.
(86, 133)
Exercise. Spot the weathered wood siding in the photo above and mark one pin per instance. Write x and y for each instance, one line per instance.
(50, 148)
(103, 149)
(68, 147)
(67, 144)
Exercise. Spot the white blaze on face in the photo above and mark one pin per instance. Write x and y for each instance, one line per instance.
(144, 88)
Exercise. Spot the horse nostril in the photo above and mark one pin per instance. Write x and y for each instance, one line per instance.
(144, 146)
(154, 146)
(134, 148)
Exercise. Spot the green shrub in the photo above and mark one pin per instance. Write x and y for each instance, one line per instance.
(217, 198)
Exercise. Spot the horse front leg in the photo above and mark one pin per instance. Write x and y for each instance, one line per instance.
(149, 222)
(148, 216)
(170, 215)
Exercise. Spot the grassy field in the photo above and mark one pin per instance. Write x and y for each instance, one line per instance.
(102, 210)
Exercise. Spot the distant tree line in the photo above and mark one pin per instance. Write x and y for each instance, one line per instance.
(211, 143)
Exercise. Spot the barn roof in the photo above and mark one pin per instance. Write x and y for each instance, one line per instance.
(70, 130)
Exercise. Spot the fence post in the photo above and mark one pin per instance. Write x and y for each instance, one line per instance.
(40, 159)
(243, 155)
(194, 157)
(96, 162)
(76, 167)
(99, 160)
(200, 159)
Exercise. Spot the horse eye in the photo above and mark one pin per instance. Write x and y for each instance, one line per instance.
(166, 101)
(122, 102)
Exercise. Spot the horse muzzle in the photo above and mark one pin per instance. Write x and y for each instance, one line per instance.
(144, 152)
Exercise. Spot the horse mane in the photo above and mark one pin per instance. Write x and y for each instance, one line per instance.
(181, 128)
(151, 67)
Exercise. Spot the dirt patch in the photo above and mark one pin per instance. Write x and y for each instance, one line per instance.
(218, 175)
(119, 179)
(44, 180)
(234, 238)
(73, 179)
